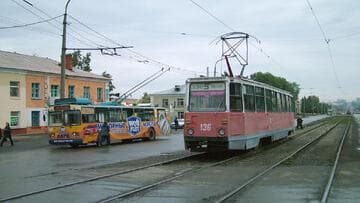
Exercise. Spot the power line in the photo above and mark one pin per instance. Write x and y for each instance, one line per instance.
(213, 16)
(327, 41)
(231, 28)
(53, 25)
(144, 59)
(12, 20)
(29, 24)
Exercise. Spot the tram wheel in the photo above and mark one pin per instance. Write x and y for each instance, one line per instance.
(152, 135)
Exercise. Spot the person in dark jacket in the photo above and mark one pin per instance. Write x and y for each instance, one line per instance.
(299, 123)
(105, 134)
(7, 135)
(176, 123)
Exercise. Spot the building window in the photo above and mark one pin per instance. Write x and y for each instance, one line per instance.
(180, 102)
(15, 118)
(35, 90)
(99, 94)
(71, 91)
(86, 92)
(14, 89)
(165, 103)
(35, 118)
(180, 115)
(54, 90)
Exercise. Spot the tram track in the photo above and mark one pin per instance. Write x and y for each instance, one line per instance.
(227, 197)
(147, 186)
(190, 171)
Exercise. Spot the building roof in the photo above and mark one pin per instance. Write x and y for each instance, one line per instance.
(176, 90)
(21, 62)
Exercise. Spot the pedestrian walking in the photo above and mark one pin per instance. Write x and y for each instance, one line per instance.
(105, 134)
(7, 135)
(176, 122)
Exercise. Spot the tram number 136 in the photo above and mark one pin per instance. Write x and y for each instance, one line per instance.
(205, 127)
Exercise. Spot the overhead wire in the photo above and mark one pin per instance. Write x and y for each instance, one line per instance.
(30, 24)
(327, 41)
(39, 30)
(50, 23)
(232, 29)
(140, 57)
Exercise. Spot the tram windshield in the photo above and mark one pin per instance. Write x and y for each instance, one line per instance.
(207, 96)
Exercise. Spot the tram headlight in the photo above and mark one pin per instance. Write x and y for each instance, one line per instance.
(75, 134)
(190, 131)
(221, 132)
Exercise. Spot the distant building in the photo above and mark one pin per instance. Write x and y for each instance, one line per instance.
(29, 84)
(173, 99)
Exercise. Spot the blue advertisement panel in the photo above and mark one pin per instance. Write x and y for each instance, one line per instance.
(134, 125)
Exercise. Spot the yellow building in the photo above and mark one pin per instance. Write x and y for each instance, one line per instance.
(29, 84)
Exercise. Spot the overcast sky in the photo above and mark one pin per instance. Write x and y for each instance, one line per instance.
(180, 34)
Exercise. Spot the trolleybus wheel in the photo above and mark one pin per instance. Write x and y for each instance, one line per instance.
(152, 135)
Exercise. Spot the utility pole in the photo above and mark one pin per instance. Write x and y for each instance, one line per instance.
(63, 50)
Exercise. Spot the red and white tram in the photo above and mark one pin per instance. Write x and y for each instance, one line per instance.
(235, 113)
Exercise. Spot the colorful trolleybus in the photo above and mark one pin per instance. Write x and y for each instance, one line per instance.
(78, 122)
(235, 113)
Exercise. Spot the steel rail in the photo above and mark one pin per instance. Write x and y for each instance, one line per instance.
(152, 185)
(97, 178)
(327, 189)
(254, 178)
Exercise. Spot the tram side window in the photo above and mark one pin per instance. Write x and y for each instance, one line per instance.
(249, 99)
(290, 104)
(259, 99)
(114, 115)
(274, 102)
(268, 101)
(235, 97)
(284, 99)
(279, 102)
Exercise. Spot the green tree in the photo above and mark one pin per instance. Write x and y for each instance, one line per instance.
(278, 82)
(111, 85)
(145, 98)
(81, 62)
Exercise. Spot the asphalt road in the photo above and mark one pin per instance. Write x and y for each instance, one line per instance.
(29, 164)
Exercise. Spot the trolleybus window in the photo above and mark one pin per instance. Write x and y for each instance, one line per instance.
(114, 115)
(235, 97)
(249, 99)
(259, 99)
(88, 118)
(55, 118)
(145, 114)
(72, 117)
(207, 96)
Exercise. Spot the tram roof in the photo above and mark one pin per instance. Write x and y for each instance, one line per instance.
(237, 79)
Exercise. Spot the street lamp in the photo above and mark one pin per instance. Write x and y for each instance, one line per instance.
(63, 50)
